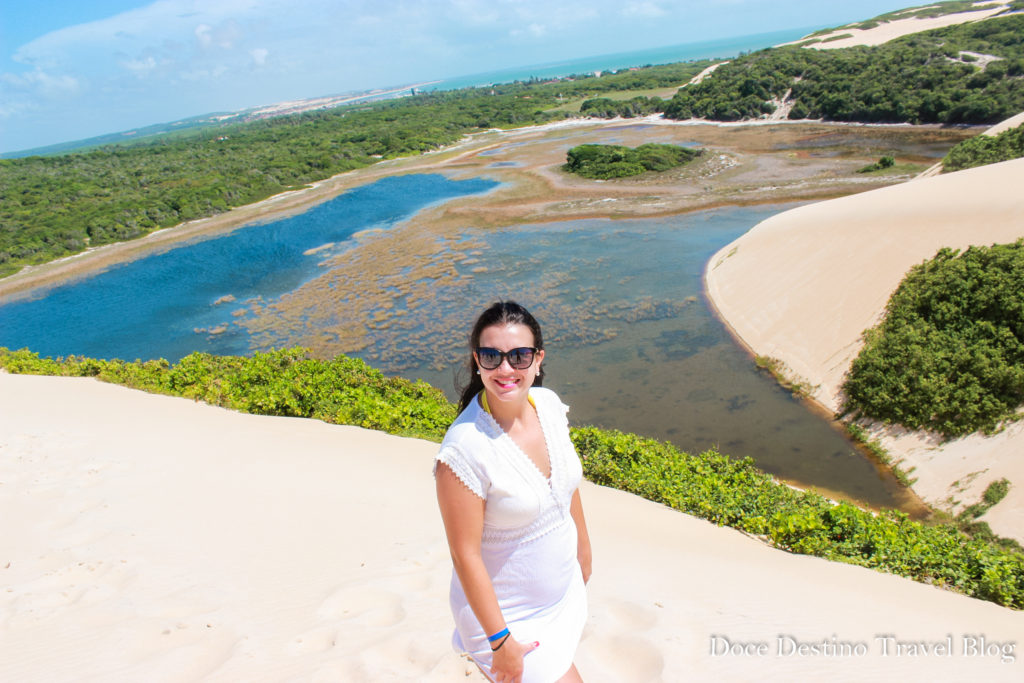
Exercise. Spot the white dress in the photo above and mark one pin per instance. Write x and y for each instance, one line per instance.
(529, 537)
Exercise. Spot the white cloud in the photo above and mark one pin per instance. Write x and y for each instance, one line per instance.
(259, 56)
(650, 10)
(42, 82)
(202, 33)
(23, 94)
(139, 66)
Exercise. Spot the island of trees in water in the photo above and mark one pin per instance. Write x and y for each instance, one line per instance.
(602, 162)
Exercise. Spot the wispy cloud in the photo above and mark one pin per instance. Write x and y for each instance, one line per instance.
(643, 9)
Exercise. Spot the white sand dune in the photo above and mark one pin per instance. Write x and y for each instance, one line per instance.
(890, 30)
(148, 538)
(803, 286)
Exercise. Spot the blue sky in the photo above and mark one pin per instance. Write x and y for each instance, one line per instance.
(71, 69)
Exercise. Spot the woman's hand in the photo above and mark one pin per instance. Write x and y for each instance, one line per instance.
(585, 559)
(507, 661)
(584, 554)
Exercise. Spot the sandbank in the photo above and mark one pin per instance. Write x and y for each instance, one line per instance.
(155, 538)
(890, 30)
(802, 287)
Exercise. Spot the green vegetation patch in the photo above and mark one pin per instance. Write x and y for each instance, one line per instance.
(949, 354)
(914, 79)
(985, 149)
(602, 162)
(710, 485)
(882, 164)
(285, 382)
(608, 108)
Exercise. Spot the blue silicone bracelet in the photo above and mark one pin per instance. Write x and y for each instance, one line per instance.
(500, 634)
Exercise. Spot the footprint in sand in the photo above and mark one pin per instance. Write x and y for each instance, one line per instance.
(624, 658)
(79, 583)
(632, 617)
(370, 606)
(312, 642)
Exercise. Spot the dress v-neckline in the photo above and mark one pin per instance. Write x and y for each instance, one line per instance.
(516, 447)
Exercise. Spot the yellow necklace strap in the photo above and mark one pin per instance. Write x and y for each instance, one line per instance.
(487, 408)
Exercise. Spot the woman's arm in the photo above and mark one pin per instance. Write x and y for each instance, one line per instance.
(583, 551)
(463, 514)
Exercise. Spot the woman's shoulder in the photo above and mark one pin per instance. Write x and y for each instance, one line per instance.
(466, 429)
(543, 393)
(548, 398)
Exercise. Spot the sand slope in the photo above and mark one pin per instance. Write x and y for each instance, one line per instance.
(890, 30)
(153, 538)
(802, 286)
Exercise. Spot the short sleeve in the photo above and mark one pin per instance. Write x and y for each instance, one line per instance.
(469, 472)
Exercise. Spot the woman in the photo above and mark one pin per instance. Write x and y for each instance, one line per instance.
(507, 484)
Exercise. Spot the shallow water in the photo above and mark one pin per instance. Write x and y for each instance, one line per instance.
(631, 342)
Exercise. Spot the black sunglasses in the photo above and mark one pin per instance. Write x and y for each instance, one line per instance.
(520, 358)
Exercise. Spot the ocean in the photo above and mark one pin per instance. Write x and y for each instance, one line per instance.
(722, 49)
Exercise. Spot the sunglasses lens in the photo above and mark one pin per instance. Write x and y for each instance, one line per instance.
(489, 358)
(520, 359)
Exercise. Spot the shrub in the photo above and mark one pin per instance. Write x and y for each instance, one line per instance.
(949, 354)
(284, 382)
(985, 149)
(880, 165)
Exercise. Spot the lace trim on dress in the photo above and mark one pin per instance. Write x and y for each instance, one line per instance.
(547, 521)
(456, 463)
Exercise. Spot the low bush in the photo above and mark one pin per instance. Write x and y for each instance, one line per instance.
(284, 382)
(880, 165)
(949, 354)
(985, 149)
(607, 108)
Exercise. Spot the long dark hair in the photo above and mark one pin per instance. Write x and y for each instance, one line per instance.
(500, 313)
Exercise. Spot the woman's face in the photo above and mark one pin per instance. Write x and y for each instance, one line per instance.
(505, 383)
